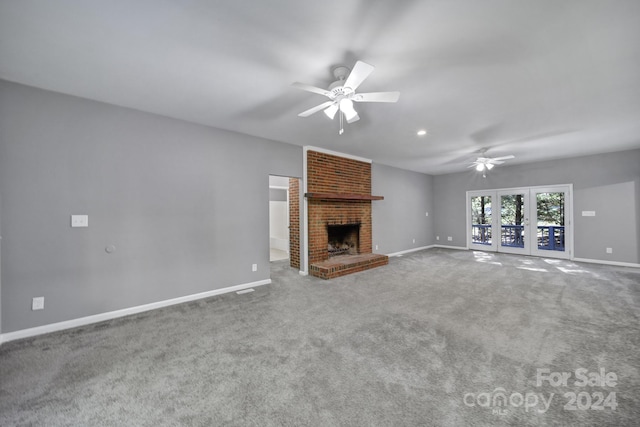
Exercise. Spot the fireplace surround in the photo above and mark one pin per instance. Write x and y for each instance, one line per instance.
(339, 203)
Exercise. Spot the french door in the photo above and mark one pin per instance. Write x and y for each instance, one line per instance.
(514, 221)
(528, 220)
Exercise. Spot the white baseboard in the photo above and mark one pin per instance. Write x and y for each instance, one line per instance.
(599, 261)
(421, 248)
(457, 248)
(82, 321)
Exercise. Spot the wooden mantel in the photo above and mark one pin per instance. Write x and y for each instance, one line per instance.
(341, 196)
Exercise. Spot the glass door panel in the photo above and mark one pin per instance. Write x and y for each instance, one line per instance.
(514, 221)
(481, 236)
(550, 219)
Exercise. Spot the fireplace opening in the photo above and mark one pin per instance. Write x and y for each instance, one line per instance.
(343, 239)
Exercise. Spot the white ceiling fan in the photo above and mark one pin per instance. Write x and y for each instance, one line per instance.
(342, 93)
(483, 164)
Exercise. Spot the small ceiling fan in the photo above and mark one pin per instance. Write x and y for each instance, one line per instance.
(342, 94)
(483, 164)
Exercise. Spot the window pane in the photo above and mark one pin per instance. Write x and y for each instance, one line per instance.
(481, 220)
(550, 213)
(511, 220)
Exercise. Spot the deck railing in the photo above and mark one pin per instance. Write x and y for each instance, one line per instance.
(512, 236)
(481, 234)
(549, 237)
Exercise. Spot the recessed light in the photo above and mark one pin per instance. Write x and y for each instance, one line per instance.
(422, 132)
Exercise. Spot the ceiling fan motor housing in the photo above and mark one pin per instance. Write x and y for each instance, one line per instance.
(337, 88)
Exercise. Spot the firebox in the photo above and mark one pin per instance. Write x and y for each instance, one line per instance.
(343, 239)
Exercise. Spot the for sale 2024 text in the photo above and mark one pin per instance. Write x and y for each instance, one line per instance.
(581, 377)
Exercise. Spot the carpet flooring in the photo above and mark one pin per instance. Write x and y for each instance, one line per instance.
(438, 337)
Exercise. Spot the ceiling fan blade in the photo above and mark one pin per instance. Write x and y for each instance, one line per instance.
(310, 88)
(315, 109)
(496, 162)
(360, 72)
(377, 97)
(493, 159)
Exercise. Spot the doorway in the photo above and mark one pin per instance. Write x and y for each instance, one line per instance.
(278, 218)
(527, 220)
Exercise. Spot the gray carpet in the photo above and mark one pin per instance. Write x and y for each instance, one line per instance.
(430, 339)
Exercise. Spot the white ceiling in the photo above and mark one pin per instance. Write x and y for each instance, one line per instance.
(534, 78)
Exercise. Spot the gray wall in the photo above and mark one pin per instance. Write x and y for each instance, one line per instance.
(608, 184)
(400, 217)
(186, 206)
(0, 264)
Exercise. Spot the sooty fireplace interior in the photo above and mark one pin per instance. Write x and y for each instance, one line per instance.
(343, 239)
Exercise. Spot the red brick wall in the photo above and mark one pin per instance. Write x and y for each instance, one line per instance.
(294, 222)
(333, 174)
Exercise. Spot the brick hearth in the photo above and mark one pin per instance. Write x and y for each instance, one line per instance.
(346, 264)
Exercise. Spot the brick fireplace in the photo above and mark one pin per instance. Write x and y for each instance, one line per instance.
(339, 212)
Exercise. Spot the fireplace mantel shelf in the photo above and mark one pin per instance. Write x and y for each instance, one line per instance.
(341, 196)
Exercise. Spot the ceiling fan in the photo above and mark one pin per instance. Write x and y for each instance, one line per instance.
(342, 93)
(483, 164)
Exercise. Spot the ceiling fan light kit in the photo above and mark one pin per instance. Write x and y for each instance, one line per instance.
(331, 111)
(484, 164)
(342, 94)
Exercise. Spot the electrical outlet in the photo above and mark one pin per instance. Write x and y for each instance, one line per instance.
(254, 267)
(414, 240)
(376, 247)
(79, 220)
(449, 238)
(609, 250)
(37, 303)
(437, 237)
(426, 214)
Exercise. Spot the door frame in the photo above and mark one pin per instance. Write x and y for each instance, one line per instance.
(531, 248)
